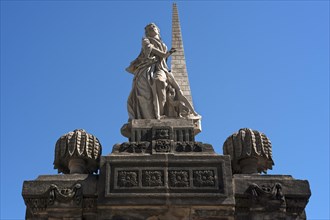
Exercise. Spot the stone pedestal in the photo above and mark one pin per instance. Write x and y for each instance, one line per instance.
(162, 173)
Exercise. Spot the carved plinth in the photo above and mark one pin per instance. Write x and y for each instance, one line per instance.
(178, 129)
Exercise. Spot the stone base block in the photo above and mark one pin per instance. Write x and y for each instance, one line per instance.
(165, 180)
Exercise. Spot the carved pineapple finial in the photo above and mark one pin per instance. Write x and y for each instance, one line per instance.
(77, 152)
(250, 151)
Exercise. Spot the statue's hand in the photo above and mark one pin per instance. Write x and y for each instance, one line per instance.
(172, 50)
(169, 53)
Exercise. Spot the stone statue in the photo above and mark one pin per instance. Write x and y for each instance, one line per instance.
(155, 92)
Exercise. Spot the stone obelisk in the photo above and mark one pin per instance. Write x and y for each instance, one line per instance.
(178, 63)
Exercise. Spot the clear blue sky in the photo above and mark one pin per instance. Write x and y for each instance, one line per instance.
(257, 64)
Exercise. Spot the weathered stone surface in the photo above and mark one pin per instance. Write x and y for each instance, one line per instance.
(152, 136)
(61, 196)
(183, 190)
(168, 213)
(149, 129)
(165, 179)
(270, 197)
(77, 152)
(250, 151)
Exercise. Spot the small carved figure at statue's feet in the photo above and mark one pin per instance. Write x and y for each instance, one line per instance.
(161, 117)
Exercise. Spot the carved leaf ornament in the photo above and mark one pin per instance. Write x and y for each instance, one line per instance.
(248, 143)
(77, 144)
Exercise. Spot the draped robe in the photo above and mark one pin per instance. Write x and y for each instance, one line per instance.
(146, 97)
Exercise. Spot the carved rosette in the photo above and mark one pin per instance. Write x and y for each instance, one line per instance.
(162, 145)
(203, 178)
(179, 178)
(77, 152)
(128, 179)
(152, 178)
(250, 151)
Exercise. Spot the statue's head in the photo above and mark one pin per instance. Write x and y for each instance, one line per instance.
(151, 30)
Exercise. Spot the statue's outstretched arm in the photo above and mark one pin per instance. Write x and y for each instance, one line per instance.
(161, 53)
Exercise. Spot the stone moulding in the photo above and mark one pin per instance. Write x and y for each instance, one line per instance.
(162, 146)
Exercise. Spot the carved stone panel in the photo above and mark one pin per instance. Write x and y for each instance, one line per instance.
(161, 177)
(134, 147)
(162, 146)
(188, 146)
(179, 178)
(161, 133)
(128, 178)
(267, 196)
(204, 178)
(64, 195)
(152, 178)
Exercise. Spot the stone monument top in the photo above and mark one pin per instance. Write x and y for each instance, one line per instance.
(162, 172)
(158, 92)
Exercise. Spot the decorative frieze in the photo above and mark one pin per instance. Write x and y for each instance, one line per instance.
(189, 147)
(163, 146)
(143, 178)
(134, 147)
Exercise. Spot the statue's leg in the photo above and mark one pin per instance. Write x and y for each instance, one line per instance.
(161, 93)
(160, 80)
